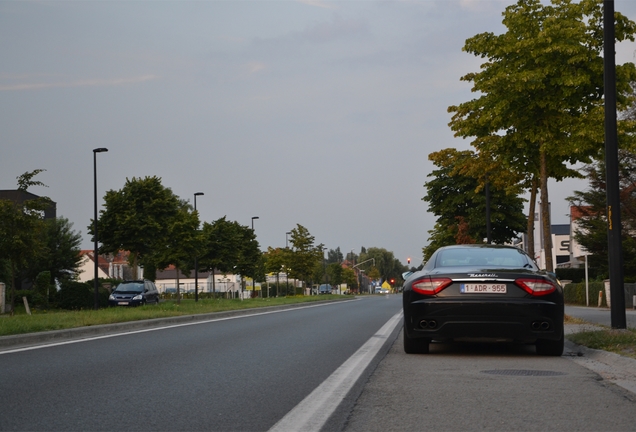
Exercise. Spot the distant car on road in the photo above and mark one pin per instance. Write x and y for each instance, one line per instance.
(134, 293)
(325, 289)
(482, 293)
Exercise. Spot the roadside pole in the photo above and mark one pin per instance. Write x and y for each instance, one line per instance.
(617, 291)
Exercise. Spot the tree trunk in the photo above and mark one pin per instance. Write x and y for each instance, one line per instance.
(531, 212)
(178, 288)
(545, 214)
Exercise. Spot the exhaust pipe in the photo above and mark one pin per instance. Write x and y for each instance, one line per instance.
(540, 325)
(424, 324)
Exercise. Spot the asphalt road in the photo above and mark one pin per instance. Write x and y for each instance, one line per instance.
(600, 315)
(254, 372)
(243, 373)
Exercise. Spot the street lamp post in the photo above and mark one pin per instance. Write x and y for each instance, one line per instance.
(254, 275)
(286, 272)
(196, 262)
(95, 256)
(324, 267)
(359, 264)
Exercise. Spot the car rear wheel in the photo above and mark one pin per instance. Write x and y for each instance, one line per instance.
(415, 346)
(550, 347)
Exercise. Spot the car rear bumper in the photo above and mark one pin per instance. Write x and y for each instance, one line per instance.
(523, 320)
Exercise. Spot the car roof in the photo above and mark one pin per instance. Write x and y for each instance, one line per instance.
(485, 246)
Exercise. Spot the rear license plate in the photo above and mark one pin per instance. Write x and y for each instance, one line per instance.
(486, 288)
(122, 303)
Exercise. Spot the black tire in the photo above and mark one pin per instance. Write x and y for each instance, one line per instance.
(547, 347)
(415, 346)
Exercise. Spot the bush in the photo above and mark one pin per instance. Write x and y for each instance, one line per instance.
(43, 289)
(17, 298)
(578, 274)
(80, 295)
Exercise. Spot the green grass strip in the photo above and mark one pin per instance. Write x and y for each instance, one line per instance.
(621, 342)
(44, 320)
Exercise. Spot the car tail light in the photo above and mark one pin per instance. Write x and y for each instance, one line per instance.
(430, 286)
(536, 287)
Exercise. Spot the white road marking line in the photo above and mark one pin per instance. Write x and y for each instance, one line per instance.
(313, 412)
(126, 333)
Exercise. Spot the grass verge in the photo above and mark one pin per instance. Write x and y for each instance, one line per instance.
(43, 320)
(621, 342)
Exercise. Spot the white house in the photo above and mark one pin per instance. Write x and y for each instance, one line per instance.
(109, 267)
(87, 267)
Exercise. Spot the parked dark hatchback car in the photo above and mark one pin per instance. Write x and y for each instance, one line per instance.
(483, 293)
(134, 293)
(325, 289)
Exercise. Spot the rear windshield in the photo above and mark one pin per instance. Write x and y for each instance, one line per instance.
(130, 287)
(474, 256)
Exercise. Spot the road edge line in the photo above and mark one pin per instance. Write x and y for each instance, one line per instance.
(314, 411)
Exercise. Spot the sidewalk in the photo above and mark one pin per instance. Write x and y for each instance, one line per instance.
(611, 367)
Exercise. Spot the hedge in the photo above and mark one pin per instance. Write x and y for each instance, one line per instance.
(574, 293)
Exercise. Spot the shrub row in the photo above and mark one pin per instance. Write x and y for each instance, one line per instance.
(72, 295)
(574, 293)
(577, 274)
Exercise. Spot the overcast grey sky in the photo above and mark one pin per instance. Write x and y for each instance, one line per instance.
(316, 113)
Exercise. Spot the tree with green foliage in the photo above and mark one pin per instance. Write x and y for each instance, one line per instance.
(541, 91)
(352, 257)
(349, 278)
(334, 256)
(21, 227)
(456, 195)
(249, 252)
(334, 273)
(180, 243)
(304, 253)
(230, 247)
(319, 273)
(138, 219)
(374, 273)
(44, 289)
(276, 260)
(592, 205)
(60, 256)
(221, 247)
(260, 275)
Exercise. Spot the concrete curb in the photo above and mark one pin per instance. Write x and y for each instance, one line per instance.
(30, 339)
(612, 367)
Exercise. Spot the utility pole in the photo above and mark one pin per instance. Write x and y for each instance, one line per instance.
(617, 292)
